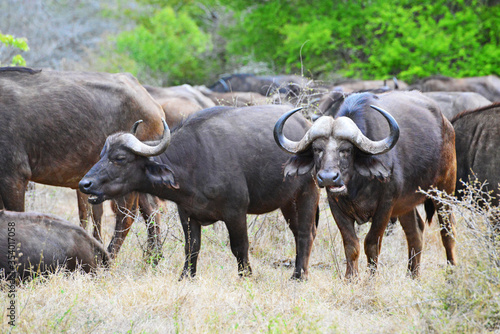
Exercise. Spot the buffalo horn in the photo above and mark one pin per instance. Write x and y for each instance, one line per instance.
(140, 148)
(134, 127)
(343, 128)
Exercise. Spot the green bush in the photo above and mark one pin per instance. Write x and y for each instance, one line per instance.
(18, 43)
(170, 45)
(373, 39)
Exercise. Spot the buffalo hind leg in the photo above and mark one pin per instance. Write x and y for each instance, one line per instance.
(148, 205)
(448, 232)
(413, 226)
(301, 216)
(238, 238)
(192, 237)
(349, 237)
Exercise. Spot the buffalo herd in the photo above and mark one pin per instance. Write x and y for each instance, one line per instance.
(246, 144)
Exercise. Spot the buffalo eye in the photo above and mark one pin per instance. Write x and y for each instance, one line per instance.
(318, 151)
(120, 159)
(345, 151)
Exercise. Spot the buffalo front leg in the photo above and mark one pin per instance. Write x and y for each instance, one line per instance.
(192, 237)
(12, 193)
(349, 238)
(124, 209)
(373, 240)
(96, 213)
(413, 226)
(148, 205)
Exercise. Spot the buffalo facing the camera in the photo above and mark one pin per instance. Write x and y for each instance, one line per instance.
(372, 158)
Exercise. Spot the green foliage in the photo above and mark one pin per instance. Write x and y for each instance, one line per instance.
(373, 39)
(188, 41)
(170, 44)
(18, 43)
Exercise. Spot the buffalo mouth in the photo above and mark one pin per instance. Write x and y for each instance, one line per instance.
(96, 198)
(340, 189)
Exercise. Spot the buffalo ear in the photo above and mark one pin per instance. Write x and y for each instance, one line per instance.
(160, 174)
(299, 165)
(371, 167)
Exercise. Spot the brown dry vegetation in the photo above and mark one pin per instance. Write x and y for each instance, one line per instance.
(133, 297)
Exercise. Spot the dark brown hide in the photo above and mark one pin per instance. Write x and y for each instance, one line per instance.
(478, 148)
(487, 86)
(366, 85)
(238, 99)
(54, 124)
(365, 187)
(264, 85)
(222, 164)
(453, 103)
(36, 243)
(178, 102)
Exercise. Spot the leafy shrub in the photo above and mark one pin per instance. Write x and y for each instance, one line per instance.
(18, 43)
(169, 44)
(372, 39)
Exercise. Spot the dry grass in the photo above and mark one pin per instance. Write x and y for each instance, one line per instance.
(133, 297)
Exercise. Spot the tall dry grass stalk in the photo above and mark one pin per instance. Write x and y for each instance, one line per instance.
(134, 297)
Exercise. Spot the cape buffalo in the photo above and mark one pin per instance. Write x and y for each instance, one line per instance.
(478, 148)
(365, 85)
(373, 167)
(264, 85)
(488, 86)
(453, 103)
(33, 243)
(54, 124)
(221, 164)
(178, 102)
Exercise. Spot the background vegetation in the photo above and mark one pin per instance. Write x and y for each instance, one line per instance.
(169, 42)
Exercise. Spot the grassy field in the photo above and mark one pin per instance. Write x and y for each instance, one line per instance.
(133, 297)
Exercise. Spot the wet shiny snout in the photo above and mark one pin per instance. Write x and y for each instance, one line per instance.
(329, 179)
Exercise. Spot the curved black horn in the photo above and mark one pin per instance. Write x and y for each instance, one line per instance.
(284, 143)
(388, 143)
(134, 127)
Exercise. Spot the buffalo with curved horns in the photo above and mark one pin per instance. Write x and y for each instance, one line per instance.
(370, 175)
(220, 164)
(53, 126)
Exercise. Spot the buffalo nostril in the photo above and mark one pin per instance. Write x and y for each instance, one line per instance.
(85, 184)
(328, 178)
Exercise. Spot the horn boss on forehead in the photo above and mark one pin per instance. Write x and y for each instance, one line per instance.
(342, 128)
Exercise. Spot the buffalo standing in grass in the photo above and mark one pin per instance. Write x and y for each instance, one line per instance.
(478, 148)
(220, 164)
(373, 165)
(33, 243)
(54, 124)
